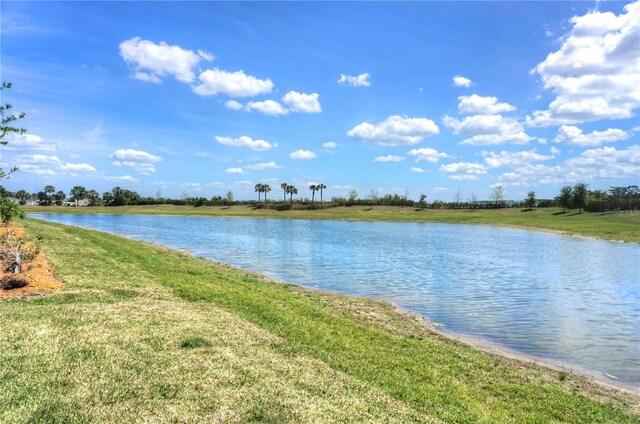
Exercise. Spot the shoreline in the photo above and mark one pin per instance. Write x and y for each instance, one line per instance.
(472, 341)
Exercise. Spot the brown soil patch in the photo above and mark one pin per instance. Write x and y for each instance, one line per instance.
(37, 273)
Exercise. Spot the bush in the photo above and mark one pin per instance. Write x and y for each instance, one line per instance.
(282, 207)
(15, 251)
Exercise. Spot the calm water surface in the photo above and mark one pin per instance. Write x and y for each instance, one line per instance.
(567, 299)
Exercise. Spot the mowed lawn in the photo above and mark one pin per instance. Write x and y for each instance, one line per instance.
(140, 333)
(621, 226)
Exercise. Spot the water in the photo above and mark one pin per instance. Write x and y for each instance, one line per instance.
(567, 299)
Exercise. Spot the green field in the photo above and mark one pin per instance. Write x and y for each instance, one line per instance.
(625, 227)
(144, 334)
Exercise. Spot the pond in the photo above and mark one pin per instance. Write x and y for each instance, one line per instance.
(562, 299)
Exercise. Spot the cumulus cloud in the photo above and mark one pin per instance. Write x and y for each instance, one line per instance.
(427, 155)
(329, 145)
(600, 163)
(245, 141)
(389, 158)
(233, 105)
(51, 165)
(139, 161)
(460, 81)
(506, 159)
(464, 171)
(485, 105)
(234, 171)
(232, 84)
(150, 61)
(574, 136)
(302, 155)
(596, 72)
(488, 129)
(361, 80)
(302, 102)
(267, 107)
(395, 131)
(27, 141)
(263, 166)
(417, 170)
(77, 167)
(123, 179)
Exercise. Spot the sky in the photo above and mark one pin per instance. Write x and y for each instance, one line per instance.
(409, 98)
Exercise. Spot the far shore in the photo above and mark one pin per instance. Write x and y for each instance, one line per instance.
(614, 227)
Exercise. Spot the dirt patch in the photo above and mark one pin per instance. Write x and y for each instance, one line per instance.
(37, 274)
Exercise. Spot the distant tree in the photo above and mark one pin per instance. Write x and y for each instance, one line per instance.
(7, 127)
(266, 188)
(457, 197)
(497, 194)
(159, 195)
(313, 189)
(258, 189)
(78, 193)
(284, 186)
(373, 198)
(8, 211)
(93, 197)
(564, 199)
(107, 198)
(22, 196)
(423, 201)
(49, 189)
(473, 199)
(353, 196)
(229, 198)
(579, 197)
(59, 197)
(43, 198)
(321, 187)
(530, 201)
(291, 190)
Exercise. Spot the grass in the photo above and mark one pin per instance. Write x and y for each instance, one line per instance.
(142, 333)
(625, 227)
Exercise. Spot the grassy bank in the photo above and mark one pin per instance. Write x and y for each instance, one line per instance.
(141, 333)
(609, 227)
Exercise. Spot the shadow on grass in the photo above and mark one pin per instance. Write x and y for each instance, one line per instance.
(527, 210)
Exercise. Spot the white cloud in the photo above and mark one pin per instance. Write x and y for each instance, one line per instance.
(464, 171)
(235, 171)
(150, 61)
(601, 163)
(209, 57)
(389, 158)
(302, 102)
(36, 169)
(139, 161)
(574, 136)
(232, 84)
(417, 170)
(361, 80)
(395, 131)
(459, 81)
(488, 129)
(123, 179)
(244, 141)
(233, 105)
(267, 107)
(27, 142)
(37, 158)
(263, 166)
(427, 155)
(329, 145)
(77, 167)
(596, 72)
(506, 159)
(302, 155)
(484, 105)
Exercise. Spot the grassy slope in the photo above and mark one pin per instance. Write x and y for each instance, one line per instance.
(141, 333)
(611, 227)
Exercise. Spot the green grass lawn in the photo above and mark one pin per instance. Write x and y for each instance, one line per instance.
(141, 333)
(624, 227)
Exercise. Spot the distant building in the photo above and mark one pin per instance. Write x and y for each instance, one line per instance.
(81, 202)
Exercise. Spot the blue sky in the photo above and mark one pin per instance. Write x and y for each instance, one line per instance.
(428, 98)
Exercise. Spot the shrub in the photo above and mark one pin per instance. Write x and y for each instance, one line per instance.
(15, 251)
(282, 206)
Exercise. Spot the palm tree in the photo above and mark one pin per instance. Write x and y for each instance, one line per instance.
(22, 196)
(313, 189)
(266, 188)
(258, 189)
(78, 193)
(284, 186)
(321, 187)
(292, 190)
